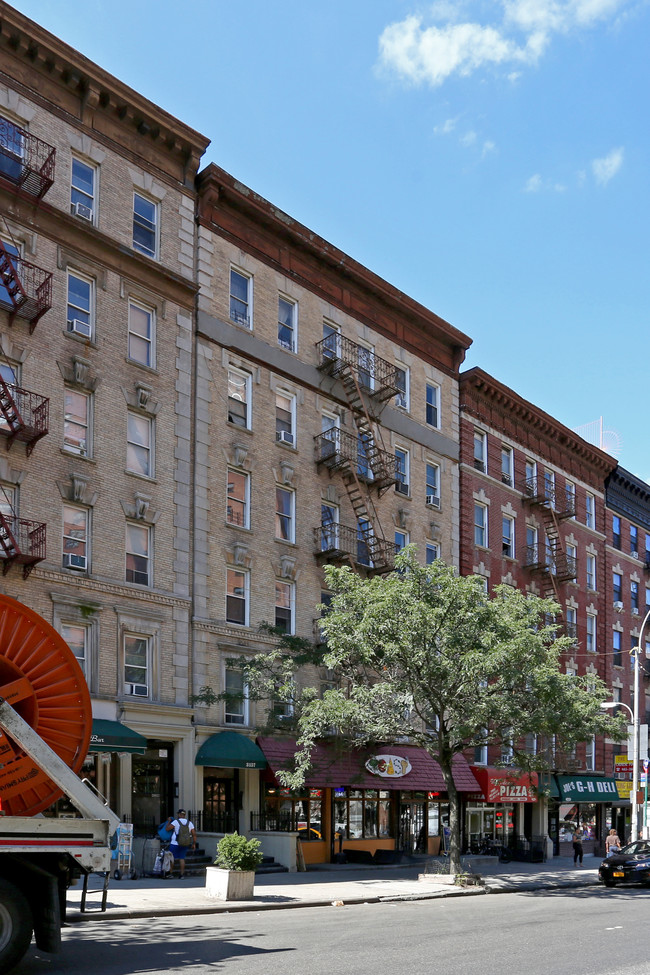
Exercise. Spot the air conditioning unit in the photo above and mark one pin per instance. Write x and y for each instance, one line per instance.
(433, 500)
(634, 555)
(79, 328)
(635, 611)
(402, 487)
(139, 690)
(283, 436)
(83, 211)
(71, 561)
(618, 606)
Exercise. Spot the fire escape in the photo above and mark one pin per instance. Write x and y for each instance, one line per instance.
(365, 465)
(25, 161)
(25, 289)
(22, 542)
(550, 559)
(24, 415)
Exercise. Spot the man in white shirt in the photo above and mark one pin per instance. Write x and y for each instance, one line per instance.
(183, 836)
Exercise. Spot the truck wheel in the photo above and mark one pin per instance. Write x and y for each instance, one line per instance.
(15, 925)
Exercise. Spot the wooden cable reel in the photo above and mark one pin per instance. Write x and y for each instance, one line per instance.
(41, 678)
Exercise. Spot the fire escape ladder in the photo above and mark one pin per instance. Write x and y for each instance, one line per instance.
(10, 280)
(371, 434)
(10, 411)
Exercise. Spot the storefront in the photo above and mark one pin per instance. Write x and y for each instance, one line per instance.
(502, 809)
(580, 802)
(224, 759)
(362, 804)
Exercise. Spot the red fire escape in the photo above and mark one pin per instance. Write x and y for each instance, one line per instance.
(25, 289)
(25, 415)
(366, 467)
(25, 161)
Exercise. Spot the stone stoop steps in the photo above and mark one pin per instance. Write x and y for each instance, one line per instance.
(196, 861)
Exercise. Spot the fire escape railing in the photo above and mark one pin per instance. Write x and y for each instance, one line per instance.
(25, 160)
(376, 376)
(342, 542)
(24, 415)
(22, 542)
(25, 289)
(551, 559)
(338, 450)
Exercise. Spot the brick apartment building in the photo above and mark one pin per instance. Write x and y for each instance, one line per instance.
(96, 316)
(533, 516)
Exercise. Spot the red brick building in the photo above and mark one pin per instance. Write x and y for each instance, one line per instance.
(533, 515)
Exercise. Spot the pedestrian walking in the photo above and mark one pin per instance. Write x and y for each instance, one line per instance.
(612, 843)
(183, 836)
(577, 845)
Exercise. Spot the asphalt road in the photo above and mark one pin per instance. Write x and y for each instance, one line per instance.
(589, 931)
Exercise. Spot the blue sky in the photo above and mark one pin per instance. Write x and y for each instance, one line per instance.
(491, 159)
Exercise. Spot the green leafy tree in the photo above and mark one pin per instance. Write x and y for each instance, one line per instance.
(425, 654)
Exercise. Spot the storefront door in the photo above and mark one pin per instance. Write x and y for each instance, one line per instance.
(219, 808)
(152, 783)
(412, 836)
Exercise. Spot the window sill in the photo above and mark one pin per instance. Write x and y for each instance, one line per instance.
(141, 365)
(77, 455)
(81, 339)
(285, 541)
(239, 428)
(287, 446)
(141, 477)
(239, 528)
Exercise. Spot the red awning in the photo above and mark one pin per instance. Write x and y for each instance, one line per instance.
(506, 785)
(336, 767)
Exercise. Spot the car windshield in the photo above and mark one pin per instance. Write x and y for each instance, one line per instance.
(633, 849)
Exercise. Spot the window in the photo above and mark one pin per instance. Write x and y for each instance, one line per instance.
(284, 606)
(366, 366)
(10, 248)
(549, 487)
(531, 545)
(76, 422)
(139, 445)
(402, 466)
(590, 511)
(617, 656)
(284, 514)
(616, 531)
(9, 373)
(480, 451)
(331, 341)
(75, 538)
(634, 596)
(80, 305)
(330, 439)
(480, 525)
(591, 572)
(531, 478)
(508, 537)
(236, 703)
(145, 225)
(237, 597)
(237, 498)
(136, 665)
(433, 405)
(591, 633)
(239, 396)
(590, 754)
(571, 624)
(329, 522)
(401, 541)
(432, 485)
(287, 324)
(481, 754)
(507, 469)
(362, 813)
(138, 555)
(431, 552)
(12, 149)
(285, 418)
(634, 540)
(241, 298)
(570, 498)
(77, 638)
(402, 383)
(364, 542)
(617, 587)
(364, 447)
(141, 334)
(83, 190)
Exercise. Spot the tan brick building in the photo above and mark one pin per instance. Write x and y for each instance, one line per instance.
(96, 315)
(327, 429)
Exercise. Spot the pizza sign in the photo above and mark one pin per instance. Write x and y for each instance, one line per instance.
(388, 766)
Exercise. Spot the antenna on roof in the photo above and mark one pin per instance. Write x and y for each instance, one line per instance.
(608, 440)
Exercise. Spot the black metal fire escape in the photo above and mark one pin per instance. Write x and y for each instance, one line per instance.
(551, 559)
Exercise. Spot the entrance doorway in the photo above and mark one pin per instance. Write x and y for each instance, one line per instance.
(412, 836)
(220, 789)
(152, 784)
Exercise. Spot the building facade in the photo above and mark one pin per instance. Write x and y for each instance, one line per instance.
(96, 357)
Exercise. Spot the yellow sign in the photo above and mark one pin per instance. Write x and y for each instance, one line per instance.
(623, 766)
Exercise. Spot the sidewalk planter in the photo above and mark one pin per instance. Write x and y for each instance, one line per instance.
(232, 878)
(229, 885)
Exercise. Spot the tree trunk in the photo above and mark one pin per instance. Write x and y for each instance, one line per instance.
(454, 815)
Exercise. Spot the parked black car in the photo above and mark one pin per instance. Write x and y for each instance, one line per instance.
(630, 866)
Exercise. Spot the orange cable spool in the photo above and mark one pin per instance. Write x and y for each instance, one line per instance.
(41, 678)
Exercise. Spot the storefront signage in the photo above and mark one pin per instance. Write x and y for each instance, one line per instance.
(388, 766)
(586, 789)
(506, 786)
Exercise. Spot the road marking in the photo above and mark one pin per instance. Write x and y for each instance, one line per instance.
(617, 927)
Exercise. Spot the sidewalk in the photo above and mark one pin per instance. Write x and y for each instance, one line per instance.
(331, 885)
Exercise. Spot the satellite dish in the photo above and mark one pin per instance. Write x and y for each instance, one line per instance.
(612, 443)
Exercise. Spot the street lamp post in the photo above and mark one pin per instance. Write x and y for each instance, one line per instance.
(634, 714)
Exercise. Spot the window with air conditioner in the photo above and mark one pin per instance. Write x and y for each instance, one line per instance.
(77, 422)
(137, 652)
(75, 538)
(507, 466)
(402, 384)
(432, 485)
(617, 587)
(480, 451)
(80, 305)
(285, 418)
(402, 468)
(83, 190)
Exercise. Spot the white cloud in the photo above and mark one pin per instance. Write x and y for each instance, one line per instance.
(607, 167)
(422, 54)
(534, 184)
(468, 139)
(488, 147)
(447, 126)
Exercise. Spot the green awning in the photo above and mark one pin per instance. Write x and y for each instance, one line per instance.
(586, 788)
(229, 749)
(112, 736)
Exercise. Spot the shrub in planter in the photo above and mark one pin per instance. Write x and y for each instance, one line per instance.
(235, 852)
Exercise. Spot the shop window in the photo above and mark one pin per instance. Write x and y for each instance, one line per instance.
(362, 813)
(298, 810)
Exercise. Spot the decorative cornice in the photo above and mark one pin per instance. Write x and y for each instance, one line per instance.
(92, 585)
